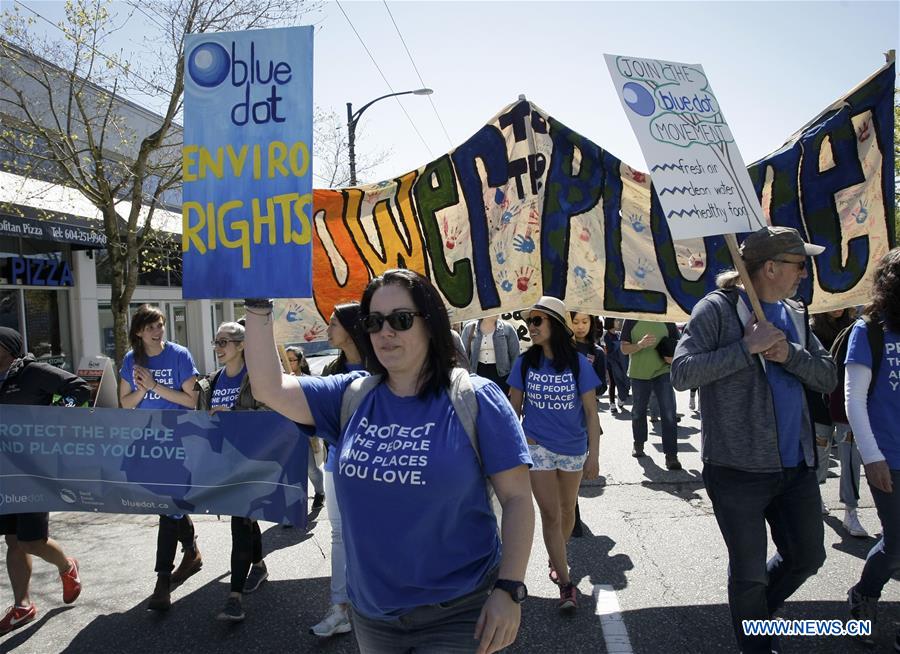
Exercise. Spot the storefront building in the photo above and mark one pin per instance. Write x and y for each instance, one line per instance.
(54, 275)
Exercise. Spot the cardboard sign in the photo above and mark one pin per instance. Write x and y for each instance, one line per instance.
(698, 172)
(98, 372)
(247, 164)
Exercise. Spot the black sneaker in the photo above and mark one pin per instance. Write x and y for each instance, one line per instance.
(258, 574)
(638, 450)
(318, 502)
(233, 611)
(863, 608)
(672, 462)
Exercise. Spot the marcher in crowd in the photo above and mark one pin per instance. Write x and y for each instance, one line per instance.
(314, 472)
(159, 374)
(588, 332)
(491, 346)
(344, 333)
(554, 387)
(757, 438)
(616, 365)
(873, 406)
(228, 389)
(649, 346)
(25, 381)
(826, 327)
(425, 569)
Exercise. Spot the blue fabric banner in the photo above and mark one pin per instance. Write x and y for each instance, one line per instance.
(246, 164)
(242, 463)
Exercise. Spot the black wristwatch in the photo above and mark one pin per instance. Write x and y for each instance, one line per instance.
(515, 589)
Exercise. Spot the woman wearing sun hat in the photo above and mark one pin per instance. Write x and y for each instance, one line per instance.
(553, 386)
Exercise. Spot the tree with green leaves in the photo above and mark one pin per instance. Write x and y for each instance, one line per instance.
(65, 120)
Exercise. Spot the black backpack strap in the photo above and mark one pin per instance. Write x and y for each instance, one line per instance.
(875, 332)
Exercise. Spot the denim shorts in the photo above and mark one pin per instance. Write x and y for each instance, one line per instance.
(544, 460)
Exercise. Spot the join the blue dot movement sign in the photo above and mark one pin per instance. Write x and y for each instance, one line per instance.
(246, 163)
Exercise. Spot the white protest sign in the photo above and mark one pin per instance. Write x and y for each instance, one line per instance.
(98, 372)
(697, 170)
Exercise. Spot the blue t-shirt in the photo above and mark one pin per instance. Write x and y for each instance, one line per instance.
(418, 527)
(171, 367)
(884, 402)
(227, 389)
(787, 391)
(554, 414)
(331, 456)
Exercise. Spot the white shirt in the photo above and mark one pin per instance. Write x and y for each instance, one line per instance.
(486, 354)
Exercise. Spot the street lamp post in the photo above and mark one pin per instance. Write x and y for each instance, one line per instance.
(353, 119)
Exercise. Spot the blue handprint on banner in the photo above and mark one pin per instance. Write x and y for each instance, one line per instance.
(637, 223)
(583, 276)
(523, 244)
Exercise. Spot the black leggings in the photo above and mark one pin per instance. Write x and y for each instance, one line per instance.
(246, 549)
(171, 532)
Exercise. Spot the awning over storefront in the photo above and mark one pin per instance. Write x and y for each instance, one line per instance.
(29, 222)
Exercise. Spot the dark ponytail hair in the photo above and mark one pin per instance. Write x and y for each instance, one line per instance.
(348, 315)
(595, 330)
(885, 305)
(145, 315)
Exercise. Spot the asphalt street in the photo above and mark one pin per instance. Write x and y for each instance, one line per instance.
(651, 568)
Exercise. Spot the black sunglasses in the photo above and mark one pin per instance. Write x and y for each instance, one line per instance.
(223, 342)
(399, 320)
(799, 264)
(536, 320)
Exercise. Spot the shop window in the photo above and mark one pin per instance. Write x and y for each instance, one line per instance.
(9, 310)
(48, 327)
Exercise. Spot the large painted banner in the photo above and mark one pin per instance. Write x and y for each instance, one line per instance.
(246, 164)
(243, 463)
(527, 207)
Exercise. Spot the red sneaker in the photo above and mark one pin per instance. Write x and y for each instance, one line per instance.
(568, 597)
(71, 582)
(17, 616)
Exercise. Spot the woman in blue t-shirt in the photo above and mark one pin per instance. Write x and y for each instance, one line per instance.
(554, 386)
(423, 549)
(228, 389)
(874, 414)
(158, 374)
(344, 333)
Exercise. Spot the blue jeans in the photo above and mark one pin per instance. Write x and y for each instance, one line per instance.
(447, 627)
(884, 559)
(660, 386)
(789, 501)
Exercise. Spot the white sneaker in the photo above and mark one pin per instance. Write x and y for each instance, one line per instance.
(825, 510)
(336, 621)
(851, 524)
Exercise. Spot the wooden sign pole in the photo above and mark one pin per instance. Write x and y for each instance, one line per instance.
(284, 360)
(731, 240)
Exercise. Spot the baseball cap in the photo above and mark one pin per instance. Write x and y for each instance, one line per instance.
(769, 242)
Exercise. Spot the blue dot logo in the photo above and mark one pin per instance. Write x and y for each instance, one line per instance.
(638, 99)
(208, 64)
